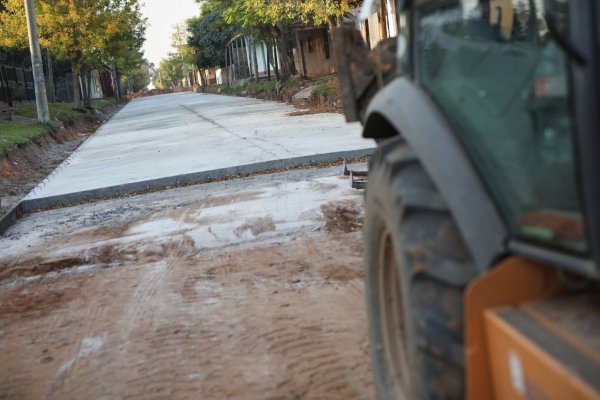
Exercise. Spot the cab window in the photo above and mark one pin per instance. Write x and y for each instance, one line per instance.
(503, 84)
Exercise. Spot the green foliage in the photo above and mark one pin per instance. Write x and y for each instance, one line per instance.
(171, 71)
(123, 45)
(266, 20)
(174, 69)
(86, 32)
(60, 111)
(102, 104)
(257, 13)
(255, 88)
(138, 79)
(14, 134)
(294, 82)
(208, 36)
(18, 58)
(327, 89)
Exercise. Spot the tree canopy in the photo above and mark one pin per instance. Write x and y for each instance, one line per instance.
(138, 79)
(176, 69)
(89, 33)
(251, 13)
(208, 36)
(267, 20)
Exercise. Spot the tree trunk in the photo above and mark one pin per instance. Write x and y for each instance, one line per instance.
(286, 58)
(276, 64)
(76, 90)
(50, 80)
(203, 79)
(87, 80)
(84, 88)
(116, 84)
(248, 57)
(233, 64)
(268, 62)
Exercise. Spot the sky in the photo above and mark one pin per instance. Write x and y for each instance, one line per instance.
(162, 14)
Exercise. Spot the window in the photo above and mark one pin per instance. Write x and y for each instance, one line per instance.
(503, 85)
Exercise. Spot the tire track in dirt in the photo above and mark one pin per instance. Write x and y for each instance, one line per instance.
(261, 321)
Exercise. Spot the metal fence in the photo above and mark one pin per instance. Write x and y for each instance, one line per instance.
(16, 84)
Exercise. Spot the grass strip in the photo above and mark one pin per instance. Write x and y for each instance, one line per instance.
(13, 134)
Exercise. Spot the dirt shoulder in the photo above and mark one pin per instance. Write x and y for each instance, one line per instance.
(32, 160)
(312, 95)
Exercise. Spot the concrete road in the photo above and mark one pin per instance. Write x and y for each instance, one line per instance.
(177, 134)
(244, 289)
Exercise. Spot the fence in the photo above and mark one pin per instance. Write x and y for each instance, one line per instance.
(16, 84)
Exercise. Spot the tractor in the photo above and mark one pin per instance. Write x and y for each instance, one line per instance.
(482, 207)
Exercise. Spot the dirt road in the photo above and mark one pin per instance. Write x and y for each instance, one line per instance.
(246, 289)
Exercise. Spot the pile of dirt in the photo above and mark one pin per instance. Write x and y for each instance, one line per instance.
(25, 167)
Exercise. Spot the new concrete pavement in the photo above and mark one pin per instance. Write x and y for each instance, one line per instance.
(178, 135)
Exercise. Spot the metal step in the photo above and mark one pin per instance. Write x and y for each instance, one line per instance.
(358, 179)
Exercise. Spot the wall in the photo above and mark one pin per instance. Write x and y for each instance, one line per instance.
(314, 52)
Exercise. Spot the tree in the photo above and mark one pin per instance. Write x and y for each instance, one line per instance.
(88, 33)
(253, 19)
(171, 71)
(208, 36)
(122, 51)
(176, 69)
(137, 80)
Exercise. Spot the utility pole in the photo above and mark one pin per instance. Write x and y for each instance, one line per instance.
(36, 62)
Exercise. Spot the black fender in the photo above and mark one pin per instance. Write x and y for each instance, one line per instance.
(403, 108)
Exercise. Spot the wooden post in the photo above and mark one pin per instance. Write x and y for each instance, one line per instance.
(5, 86)
(244, 58)
(268, 62)
(255, 55)
(238, 71)
(247, 53)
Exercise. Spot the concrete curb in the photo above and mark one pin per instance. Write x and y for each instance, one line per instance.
(10, 218)
(35, 205)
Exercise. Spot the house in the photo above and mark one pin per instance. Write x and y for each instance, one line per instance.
(313, 53)
(379, 26)
(247, 58)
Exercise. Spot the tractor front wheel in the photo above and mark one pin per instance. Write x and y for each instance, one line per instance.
(417, 268)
